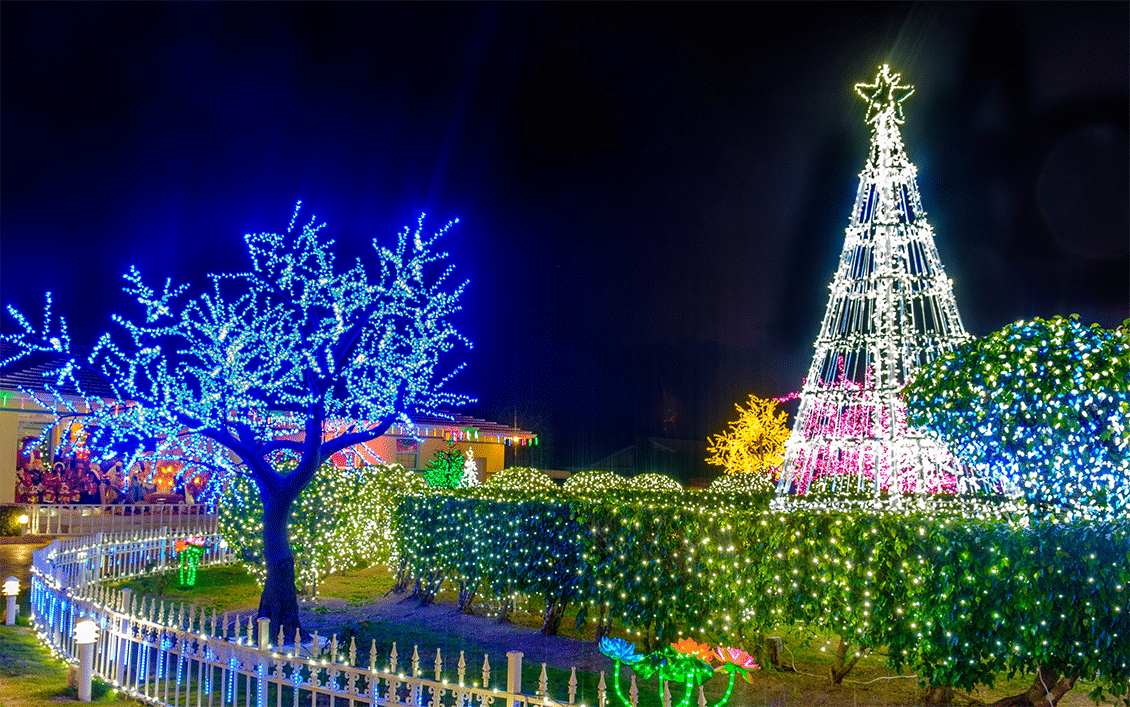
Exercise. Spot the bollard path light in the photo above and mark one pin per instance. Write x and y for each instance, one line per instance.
(86, 633)
(11, 589)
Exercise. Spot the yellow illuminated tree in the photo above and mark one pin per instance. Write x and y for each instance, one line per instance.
(755, 442)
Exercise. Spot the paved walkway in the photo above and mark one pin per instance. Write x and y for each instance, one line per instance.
(15, 558)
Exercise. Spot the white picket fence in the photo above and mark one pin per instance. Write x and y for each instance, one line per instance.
(177, 656)
(88, 519)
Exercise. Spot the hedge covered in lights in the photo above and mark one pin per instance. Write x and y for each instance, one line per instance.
(521, 478)
(342, 519)
(1040, 408)
(955, 599)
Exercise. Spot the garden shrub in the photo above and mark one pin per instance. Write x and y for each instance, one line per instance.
(521, 478)
(341, 520)
(654, 482)
(10, 520)
(705, 565)
(743, 483)
(1039, 408)
(594, 481)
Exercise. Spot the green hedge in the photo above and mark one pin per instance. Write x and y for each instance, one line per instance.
(957, 600)
(10, 525)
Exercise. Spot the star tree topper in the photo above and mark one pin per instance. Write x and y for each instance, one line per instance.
(884, 95)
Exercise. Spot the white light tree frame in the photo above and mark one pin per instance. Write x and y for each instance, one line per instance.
(891, 309)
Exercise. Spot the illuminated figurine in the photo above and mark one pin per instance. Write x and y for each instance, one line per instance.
(190, 551)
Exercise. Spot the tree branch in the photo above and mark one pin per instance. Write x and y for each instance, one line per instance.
(351, 438)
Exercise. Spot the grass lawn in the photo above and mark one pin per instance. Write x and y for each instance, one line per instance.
(30, 677)
(223, 588)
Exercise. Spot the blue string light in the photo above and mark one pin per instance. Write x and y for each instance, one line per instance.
(1040, 409)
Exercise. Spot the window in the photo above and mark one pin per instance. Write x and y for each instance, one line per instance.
(407, 452)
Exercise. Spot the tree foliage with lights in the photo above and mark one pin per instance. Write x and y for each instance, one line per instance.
(1040, 408)
(341, 520)
(254, 375)
(445, 468)
(754, 443)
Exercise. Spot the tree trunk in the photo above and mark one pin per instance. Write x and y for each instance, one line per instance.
(403, 578)
(467, 591)
(841, 666)
(937, 695)
(603, 624)
(1046, 691)
(551, 619)
(504, 613)
(279, 600)
(428, 586)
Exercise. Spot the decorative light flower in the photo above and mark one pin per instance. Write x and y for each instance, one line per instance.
(691, 647)
(735, 661)
(190, 550)
(619, 650)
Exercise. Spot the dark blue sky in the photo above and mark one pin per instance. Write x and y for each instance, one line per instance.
(652, 196)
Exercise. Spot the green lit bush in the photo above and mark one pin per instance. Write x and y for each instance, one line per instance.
(521, 478)
(341, 520)
(655, 482)
(594, 481)
(721, 568)
(742, 483)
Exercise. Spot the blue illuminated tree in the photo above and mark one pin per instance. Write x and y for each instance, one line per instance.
(266, 373)
(1040, 408)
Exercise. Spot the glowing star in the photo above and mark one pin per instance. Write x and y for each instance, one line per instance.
(885, 95)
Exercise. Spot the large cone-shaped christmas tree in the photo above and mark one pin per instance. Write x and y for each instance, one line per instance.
(891, 309)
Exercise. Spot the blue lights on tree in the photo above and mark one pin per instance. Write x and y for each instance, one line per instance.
(252, 376)
(1040, 407)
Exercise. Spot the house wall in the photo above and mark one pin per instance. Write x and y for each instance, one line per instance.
(492, 453)
(9, 423)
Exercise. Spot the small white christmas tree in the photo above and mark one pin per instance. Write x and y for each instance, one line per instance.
(891, 309)
(470, 470)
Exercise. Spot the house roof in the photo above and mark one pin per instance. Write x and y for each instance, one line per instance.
(464, 426)
(28, 372)
(627, 458)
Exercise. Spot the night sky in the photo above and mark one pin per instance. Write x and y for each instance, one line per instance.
(652, 196)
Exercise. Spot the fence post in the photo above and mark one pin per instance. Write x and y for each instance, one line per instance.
(261, 670)
(98, 557)
(123, 637)
(513, 676)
